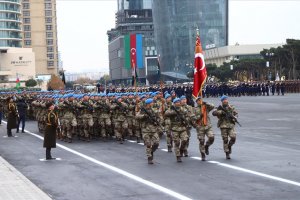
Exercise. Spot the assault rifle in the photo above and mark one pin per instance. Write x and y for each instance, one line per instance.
(122, 108)
(153, 119)
(182, 119)
(229, 115)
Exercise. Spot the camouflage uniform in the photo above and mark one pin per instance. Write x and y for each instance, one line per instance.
(103, 107)
(227, 127)
(131, 117)
(190, 111)
(87, 122)
(179, 130)
(167, 123)
(204, 128)
(120, 121)
(149, 131)
(68, 119)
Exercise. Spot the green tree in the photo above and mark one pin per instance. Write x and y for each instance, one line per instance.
(30, 83)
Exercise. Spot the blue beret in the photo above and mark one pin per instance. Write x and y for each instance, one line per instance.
(182, 97)
(143, 96)
(167, 96)
(176, 100)
(118, 97)
(148, 101)
(199, 98)
(224, 97)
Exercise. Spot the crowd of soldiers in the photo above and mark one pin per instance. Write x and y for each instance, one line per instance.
(141, 115)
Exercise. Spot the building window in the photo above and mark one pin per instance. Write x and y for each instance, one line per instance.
(50, 63)
(27, 35)
(49, 34)
(26, 13)
(48, 13)
(50, 49)
(26, 20)
(26, 6)
(50, 56)
(48, 6)
(49, 27)
(49, 42)
(27, 28)
(48, 20)
(27, 42)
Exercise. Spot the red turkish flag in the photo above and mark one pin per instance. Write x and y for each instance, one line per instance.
(200, 73)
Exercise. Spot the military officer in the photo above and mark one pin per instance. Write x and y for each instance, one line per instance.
(50, 131)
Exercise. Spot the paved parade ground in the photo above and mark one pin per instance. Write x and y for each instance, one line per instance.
(265, 161)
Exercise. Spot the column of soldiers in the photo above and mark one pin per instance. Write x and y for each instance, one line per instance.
(144, 115)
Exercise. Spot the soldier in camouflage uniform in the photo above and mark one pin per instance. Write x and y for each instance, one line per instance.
(203, 126)
(86, 109)
(226, 124)
(119, 109)
(179, 122)
(131, 115)
(68, 118)
(102, 108)
(149, 128)
(140, 101)
(96, 116)
(189, 109)
(167, 122)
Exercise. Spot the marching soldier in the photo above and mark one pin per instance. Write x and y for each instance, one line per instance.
(120, 121)
(203, 126)
(167, 121)
(179, 123)
(227, 118)
(150, 121)
(188, 109)
(87, 119)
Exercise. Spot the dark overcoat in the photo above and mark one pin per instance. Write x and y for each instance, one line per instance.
(50, 132)
(12, 118)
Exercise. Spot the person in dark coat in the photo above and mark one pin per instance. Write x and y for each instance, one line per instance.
(22, 109)
(50, 132)
(1, 113)
(13, 116)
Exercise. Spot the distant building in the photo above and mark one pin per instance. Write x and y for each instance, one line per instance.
(71, 77)
(228, 53)
(10, 23)
(40, 34)
(132, 17)
(175, 24)
(16, 62)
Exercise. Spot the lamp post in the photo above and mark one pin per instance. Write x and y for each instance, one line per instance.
(269, 55)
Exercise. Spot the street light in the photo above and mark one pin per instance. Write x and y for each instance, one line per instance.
(269, 55)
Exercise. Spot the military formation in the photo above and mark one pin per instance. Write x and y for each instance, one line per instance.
(143, 116)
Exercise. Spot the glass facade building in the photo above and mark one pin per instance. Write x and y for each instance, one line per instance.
(10, 23)
(175, 24)
(134, 4)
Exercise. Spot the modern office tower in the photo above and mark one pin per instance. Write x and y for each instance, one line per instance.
(175, 24)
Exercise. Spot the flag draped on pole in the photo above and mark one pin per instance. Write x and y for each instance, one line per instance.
(18, 84)
(158, 67)
(200, 73)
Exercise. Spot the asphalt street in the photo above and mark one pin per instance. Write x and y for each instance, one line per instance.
(265, 161)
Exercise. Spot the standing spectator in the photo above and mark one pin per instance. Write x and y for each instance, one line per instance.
(22, 109)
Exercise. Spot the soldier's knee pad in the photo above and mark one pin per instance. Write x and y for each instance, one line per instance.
(211, 140)
(201, 142)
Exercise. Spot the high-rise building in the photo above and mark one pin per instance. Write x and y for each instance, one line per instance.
(10, 23)
(132, 17)
(40, 33)
(175, 24)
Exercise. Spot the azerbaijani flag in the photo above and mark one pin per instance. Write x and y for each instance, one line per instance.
(133, 51)
(18, 84)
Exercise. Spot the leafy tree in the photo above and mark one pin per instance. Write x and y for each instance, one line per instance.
(30, 83)
(55, 83)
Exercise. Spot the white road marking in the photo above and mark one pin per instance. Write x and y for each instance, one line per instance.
(166, 150)
(44, 159)
(131, 141)
(120, 171)
(15, 136)
(141, 144)
(251, 172)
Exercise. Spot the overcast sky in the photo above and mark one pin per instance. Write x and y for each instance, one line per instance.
(82, 27)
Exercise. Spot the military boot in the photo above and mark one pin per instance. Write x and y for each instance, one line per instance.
(150, 160)
(186, 153)
(203, 156)
(227, 155)
(138, 140)
(229, 148)
(206, 150)
(70, 140)
(169, 149)
(178, 159)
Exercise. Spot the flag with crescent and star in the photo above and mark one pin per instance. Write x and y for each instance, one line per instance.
(133, 51)
(200, 73)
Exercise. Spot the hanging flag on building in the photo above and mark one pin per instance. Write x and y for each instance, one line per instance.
(200, 73)
(158, 66)
(18, 84)
(133, 51)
